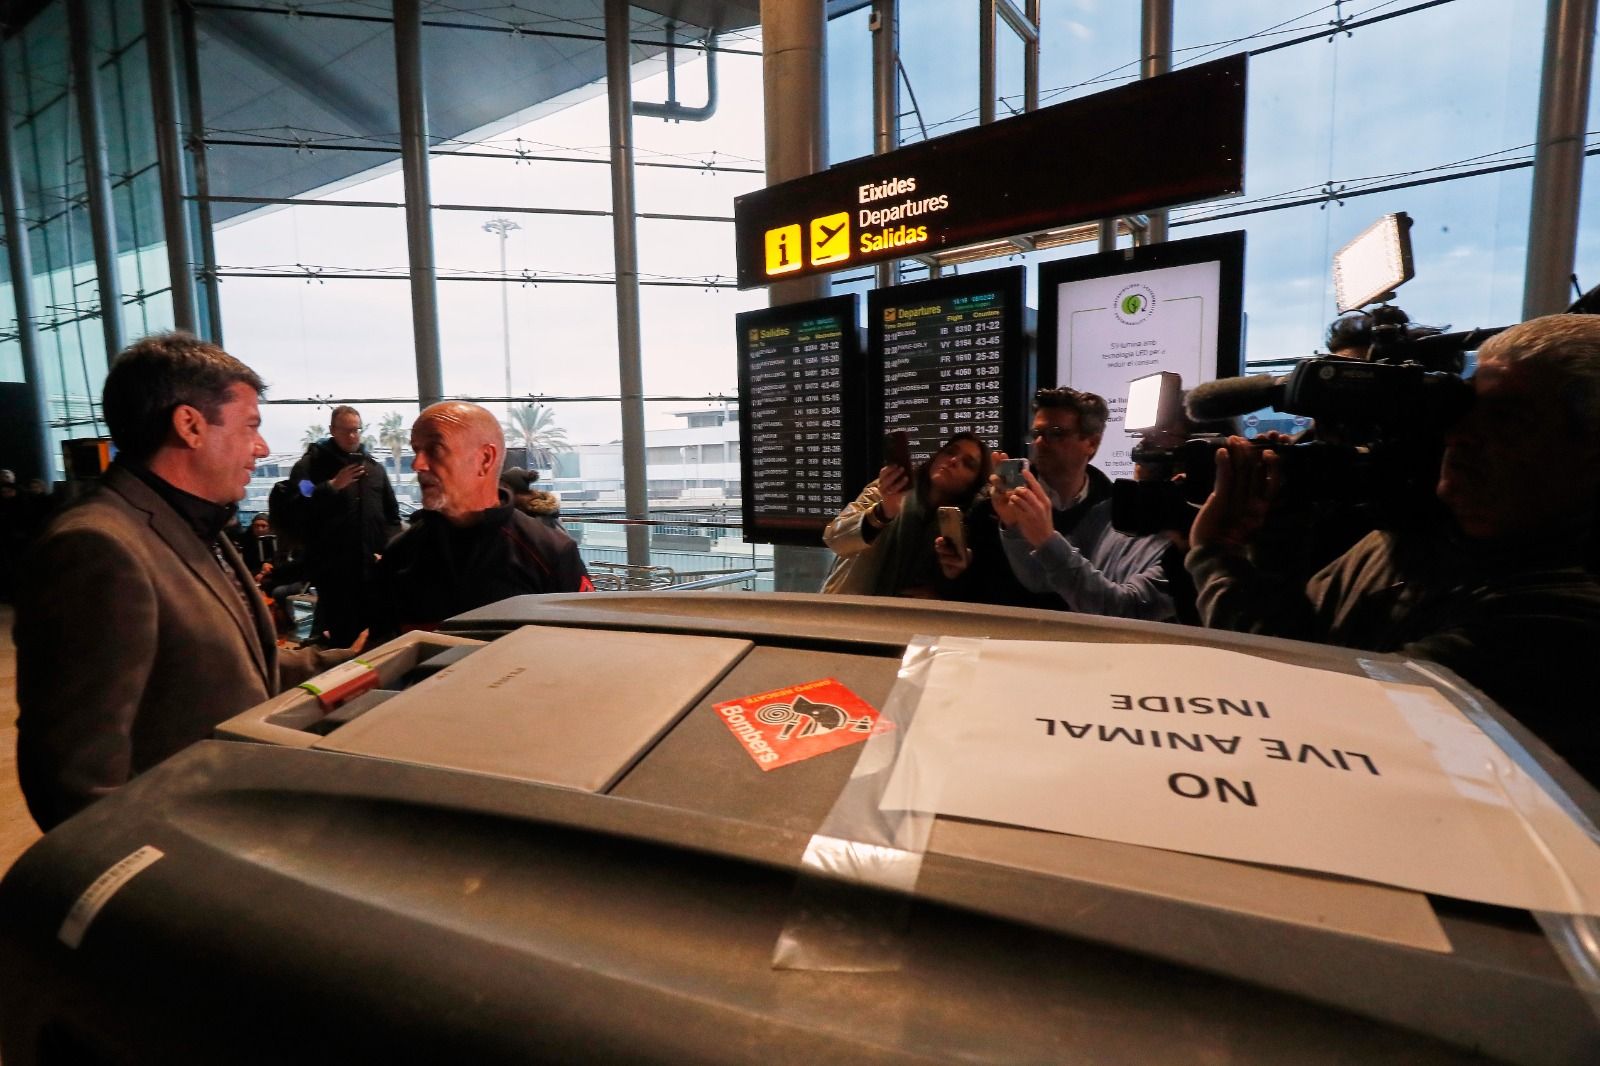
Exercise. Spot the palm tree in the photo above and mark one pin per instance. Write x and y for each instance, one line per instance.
(534, 425)
(392, 434)
(314, 432)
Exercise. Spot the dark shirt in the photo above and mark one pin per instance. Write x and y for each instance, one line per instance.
(207, 519)
(437, 569)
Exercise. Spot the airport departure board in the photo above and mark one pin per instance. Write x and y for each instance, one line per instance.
(948, 356)
(801, 408)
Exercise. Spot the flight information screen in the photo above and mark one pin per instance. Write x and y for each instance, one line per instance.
(801, 389)
(950, 356)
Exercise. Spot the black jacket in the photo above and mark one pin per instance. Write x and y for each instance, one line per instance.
(436, 570)
(344, 528)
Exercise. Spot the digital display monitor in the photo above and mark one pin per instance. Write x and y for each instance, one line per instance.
(947, 356)
(801, 406)
(1108, 319)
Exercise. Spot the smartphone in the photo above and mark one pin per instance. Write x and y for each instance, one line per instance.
(897, 450)
(953, 529)
(1010, 472)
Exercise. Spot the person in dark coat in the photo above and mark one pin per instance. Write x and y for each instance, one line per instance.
(138, 626)
(470, 545)
(351, 515)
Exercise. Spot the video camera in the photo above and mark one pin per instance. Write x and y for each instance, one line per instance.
(1380, 421)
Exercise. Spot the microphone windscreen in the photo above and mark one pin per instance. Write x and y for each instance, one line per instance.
(1227, 397)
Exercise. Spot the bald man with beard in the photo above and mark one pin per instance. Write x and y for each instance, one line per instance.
(470, 545)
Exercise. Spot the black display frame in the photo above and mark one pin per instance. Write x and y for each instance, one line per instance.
(804, 530)
(1225, 248)
(1017, 347)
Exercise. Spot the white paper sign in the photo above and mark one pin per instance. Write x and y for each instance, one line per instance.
(1125, 326)
(1219, 753)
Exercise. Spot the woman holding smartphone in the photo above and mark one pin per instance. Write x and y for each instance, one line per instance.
(885, 539)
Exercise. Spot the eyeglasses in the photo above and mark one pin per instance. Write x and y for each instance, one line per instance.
(1053, 433)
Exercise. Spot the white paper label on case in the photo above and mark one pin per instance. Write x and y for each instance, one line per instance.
(96, 895)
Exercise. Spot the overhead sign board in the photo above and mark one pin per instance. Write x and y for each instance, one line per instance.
(1155, 143)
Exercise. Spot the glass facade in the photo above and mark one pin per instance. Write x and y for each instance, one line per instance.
(48, 145)
(1426, 108)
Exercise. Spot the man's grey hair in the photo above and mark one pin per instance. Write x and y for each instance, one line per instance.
(1567, 349)
(342, 409)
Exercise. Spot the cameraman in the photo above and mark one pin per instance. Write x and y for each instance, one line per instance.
(1497, 590)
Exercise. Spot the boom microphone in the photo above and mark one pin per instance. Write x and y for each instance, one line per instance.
(1227, 397)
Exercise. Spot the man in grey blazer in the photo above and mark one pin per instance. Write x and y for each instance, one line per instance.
(138, 625)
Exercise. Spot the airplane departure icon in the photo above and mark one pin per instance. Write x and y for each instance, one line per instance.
(830, 239)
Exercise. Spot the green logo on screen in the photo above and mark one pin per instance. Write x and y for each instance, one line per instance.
(1134, 305)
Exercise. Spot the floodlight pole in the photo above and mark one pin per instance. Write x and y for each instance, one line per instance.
(503, 227)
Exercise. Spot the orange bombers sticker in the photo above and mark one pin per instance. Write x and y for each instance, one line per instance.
(790, 724)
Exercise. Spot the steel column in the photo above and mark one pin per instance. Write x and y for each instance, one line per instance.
(1030, 65)
(419, 198)
(624, 226)
(1155, 27)
(102, 217)
(1108, 234)
(21, 262)
(1558, 155)
(196, 144)
(987, 12)
(169, 156)
(793, 40)
(796, 103)
(886, 98)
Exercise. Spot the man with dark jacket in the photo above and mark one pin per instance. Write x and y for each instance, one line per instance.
(350, 514)
(470, 545)
(138, 626)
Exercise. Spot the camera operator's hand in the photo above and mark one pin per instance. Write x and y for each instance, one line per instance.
(952, 562)
(1247, 481)
(893, 484)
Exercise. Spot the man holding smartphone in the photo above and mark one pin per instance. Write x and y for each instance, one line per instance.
(1048, 541)
(351, 514)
